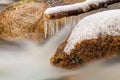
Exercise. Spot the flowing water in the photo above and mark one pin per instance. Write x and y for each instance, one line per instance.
(28, 61)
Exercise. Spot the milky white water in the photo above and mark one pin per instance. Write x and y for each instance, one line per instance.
(27, 61)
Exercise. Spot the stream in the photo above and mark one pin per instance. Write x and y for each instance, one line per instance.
(28, 61)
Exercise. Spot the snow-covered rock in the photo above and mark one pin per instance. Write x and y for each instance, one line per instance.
(104, 23)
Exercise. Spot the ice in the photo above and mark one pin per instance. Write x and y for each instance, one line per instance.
(57, 26)
(71, 19)
(52, 27)
(65, 19)
(45, 28)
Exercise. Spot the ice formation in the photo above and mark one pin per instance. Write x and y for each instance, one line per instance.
(51, 27)
(106, 23)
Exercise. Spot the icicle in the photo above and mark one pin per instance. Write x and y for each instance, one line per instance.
(52, 28)
(45, 28)
(57, 26)
(49, 28)
(71, 21)
(74, 21)
(65, 19)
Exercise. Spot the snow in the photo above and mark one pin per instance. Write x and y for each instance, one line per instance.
(104, 23)
(82, 5)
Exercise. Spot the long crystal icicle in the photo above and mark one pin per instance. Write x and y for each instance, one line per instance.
(45, 28)
(53, 28)
(49, 28)
(57, 26)
(65, 19)
(71, 21)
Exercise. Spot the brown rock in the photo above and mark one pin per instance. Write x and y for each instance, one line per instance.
(86, 51)
(22, 21)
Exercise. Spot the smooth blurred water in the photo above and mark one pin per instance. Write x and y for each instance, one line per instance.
(26, 60)
(29, 61)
